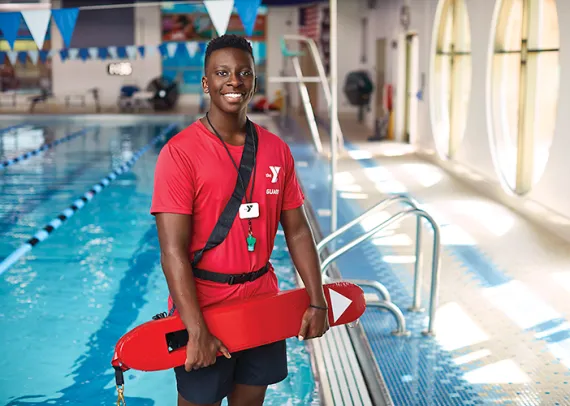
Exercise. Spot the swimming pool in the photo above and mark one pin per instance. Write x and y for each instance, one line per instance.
(64, 305)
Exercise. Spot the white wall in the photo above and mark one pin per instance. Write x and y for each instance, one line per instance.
(73, 76)
(549, 201)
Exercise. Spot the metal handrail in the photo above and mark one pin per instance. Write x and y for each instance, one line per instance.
(416, 304)
(381, 205)
(314, 51)
(435, 255)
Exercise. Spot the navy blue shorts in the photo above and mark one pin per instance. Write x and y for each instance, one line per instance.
(263, 365)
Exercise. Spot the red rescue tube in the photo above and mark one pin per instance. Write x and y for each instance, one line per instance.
(239, 324)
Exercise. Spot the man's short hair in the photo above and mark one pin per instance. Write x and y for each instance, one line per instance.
(228, 41)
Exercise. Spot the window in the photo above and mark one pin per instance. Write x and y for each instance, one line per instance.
(450, 76)
(523, 112)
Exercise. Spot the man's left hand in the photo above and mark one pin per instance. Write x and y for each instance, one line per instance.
(315, 323)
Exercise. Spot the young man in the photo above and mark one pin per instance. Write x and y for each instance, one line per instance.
(195, 176)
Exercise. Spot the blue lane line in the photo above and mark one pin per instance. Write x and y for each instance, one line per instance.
(53, 225)
(43, 148)
(11, 218)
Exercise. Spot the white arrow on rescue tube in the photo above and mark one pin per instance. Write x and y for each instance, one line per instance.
(339, 304)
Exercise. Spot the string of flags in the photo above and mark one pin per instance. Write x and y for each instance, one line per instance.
(37, 22)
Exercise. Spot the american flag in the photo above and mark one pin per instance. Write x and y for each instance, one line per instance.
(309, 21)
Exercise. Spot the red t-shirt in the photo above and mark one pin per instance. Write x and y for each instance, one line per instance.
(194, 175)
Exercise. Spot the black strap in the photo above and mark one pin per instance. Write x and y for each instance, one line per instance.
(230, 279)
(227, 217)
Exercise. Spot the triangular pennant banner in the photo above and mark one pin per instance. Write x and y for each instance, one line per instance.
(102, 53)
(33, 54)
(141, 51)
(220, 12)
(121, 52)
(84, 54)
(163, 50)
(93, 52)
(192, 48)
(171, 47)
(63, 54)
(247, 11)
(112, 52)
(37, 22)
(12, 56)
(23, 57)
(9, 25)
(44, 56)
(65, 18)
(132, 52)
(73, 52)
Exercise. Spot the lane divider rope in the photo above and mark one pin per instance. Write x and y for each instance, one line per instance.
(44, 147)
(53, 225)
(13, 127)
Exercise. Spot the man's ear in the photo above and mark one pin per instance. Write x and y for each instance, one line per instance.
(255, 85)
(205, 86)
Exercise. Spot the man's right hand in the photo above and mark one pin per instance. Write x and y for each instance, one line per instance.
(202, 350)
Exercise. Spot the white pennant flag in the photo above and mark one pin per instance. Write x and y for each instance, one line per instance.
(34, 54)
(220, 12)
(93, 52)
(192, 48)
(73, 52)
(131, 51)
(113, 52)
(37, 22)
(171, 47)
(12, 56)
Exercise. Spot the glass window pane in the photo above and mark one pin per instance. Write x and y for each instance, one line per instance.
(441, 105)
(546, 102)
(509, 33)
(505, 87)
(462, 35)
(547, 20)
(451, 79)
(445, 37)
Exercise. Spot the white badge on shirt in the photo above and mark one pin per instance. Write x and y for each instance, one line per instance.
(249, 211)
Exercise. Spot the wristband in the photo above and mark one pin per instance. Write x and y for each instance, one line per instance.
(319, 307)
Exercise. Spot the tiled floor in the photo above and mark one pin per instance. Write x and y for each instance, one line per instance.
(502, 330)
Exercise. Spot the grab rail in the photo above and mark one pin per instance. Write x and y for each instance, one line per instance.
(416, 305)
(435, 256)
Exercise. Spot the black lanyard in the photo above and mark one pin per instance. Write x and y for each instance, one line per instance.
(248, 129)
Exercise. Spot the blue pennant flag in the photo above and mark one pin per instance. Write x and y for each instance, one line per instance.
(65, 18)
(44, 56)
(9, 25)
(141, 50)
(103, 53)
(247, 11)
(122, 52)
(64, 54)
(163, 50)
(84, 54)
(23, 57)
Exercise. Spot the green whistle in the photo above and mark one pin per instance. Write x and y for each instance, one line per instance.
(250, 243)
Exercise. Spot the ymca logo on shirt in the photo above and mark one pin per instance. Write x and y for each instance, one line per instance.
(274, 175)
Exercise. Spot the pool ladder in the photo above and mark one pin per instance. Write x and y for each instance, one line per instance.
(386, 301)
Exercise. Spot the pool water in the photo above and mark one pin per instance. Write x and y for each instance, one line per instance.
(64, 305)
